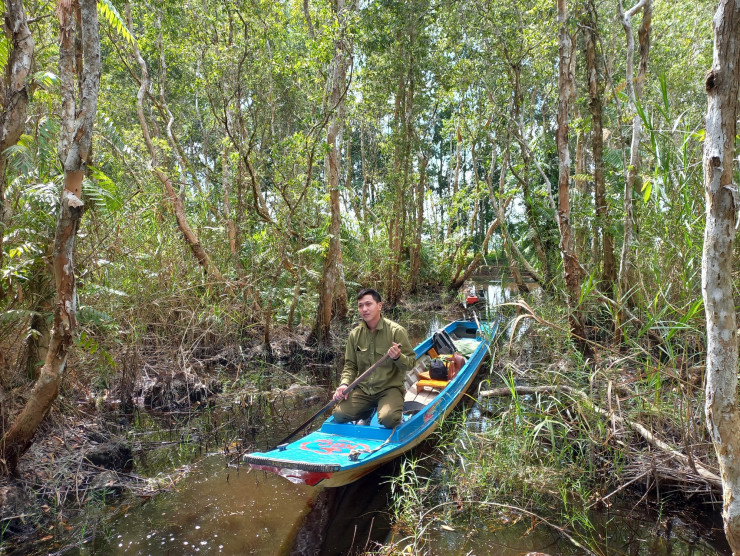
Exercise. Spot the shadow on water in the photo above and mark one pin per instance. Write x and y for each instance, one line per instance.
(215, 510)
(353, 519)
(218, 509)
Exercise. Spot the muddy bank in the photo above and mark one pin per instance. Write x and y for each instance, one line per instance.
(168, 407)
(104, 447)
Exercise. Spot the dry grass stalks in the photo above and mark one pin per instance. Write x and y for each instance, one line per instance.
(652, 455)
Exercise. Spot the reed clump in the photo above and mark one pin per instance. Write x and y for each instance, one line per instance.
(560, 441)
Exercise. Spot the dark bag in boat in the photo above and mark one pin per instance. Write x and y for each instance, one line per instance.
(454, 363)
(442, 343)
(438, 370)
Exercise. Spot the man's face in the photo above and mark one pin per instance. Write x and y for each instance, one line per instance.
(369, 309)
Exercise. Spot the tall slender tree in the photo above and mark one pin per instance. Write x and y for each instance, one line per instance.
(14, 89)
(171, 195)
(634, 87)
(595, 106)
(332, 291)
(571, 267)
(80, 109)
(723, 415)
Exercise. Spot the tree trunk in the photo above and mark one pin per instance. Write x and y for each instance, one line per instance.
(634, 92)
(171, 195)
(502, 204)
(226, 190)
(534, 229)
(583, 245)
(461, 250)
(403, 105)
(603, 226)
(366, 180)
(723, 415)
(523, 178)
(475, 263)
(415, 252)
(333, 262)
(14, 95)
(36, 346)
(571, 267)
(76, 157)
(452, 210)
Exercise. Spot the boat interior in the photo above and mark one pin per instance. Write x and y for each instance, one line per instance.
(421, 389)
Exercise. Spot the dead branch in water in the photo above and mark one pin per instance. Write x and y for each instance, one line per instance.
(695, 470)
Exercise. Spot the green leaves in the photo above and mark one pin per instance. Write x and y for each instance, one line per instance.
(4, 52)
(46, 79)
(110, 14)
(647, 188)
(102, 191)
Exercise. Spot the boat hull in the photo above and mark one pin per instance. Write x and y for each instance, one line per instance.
(338, 454)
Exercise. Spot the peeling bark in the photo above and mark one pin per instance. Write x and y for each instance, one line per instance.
(571, 267)
(76, 154)
(14, 95)
(14, 92)
(723, 416)
(333, 273)
(595, 106)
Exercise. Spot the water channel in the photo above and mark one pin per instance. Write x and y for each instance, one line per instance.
(223, 509)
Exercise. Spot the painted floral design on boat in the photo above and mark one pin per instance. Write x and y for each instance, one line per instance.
(329, 446)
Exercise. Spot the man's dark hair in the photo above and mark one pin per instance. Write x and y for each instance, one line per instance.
(369, 291)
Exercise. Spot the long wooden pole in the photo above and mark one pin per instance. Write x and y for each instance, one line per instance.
(328, 406)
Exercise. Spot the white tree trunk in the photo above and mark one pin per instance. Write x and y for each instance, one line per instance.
(634, 92)
(723, 417)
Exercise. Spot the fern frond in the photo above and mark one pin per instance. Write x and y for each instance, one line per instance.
(613, 158)
(102, 191)
(4, 52)
(48, 132)
(47, 193)
(20, 156)
(110, 13)
(16, 315)
(108, 129)
(90, 315)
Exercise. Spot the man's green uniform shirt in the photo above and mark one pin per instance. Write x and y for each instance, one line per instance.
(364, 348)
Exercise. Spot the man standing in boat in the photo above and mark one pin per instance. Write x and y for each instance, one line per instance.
(367, 343)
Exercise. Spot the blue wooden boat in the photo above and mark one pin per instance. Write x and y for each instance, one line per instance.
(337, 454)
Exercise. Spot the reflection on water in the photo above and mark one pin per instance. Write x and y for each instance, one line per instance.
(219, 510)
(214, 510)
(624, 530)
(494, 306)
